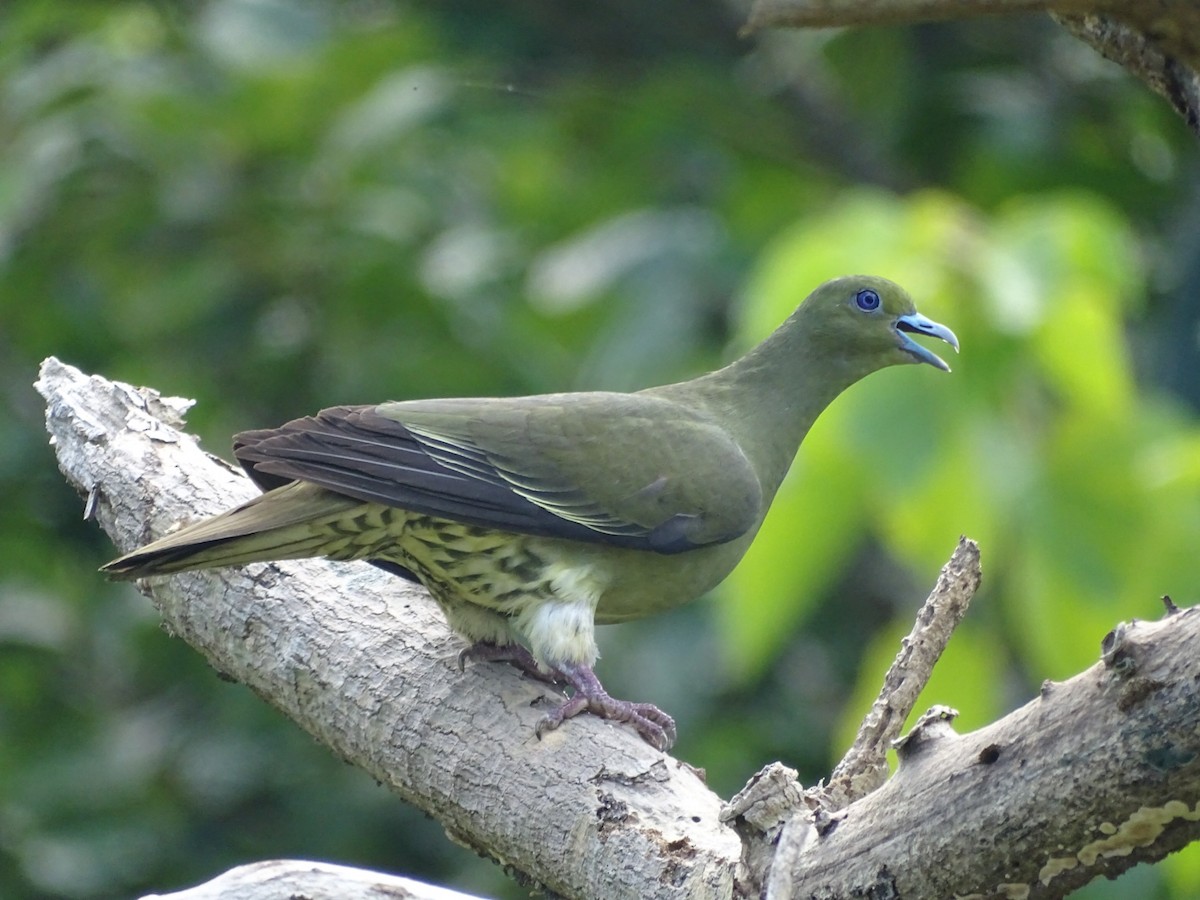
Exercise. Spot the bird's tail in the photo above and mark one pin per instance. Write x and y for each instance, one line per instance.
(291, 522)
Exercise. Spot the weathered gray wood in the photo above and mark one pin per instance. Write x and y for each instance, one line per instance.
(864, 766)
(292, 879)
(364, 662)
(1097, 774)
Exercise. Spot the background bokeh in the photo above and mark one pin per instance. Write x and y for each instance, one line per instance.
(277, 205)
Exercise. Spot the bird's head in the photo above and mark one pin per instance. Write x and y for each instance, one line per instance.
(870, 322)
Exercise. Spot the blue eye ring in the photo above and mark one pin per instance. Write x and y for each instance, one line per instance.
(867, 300)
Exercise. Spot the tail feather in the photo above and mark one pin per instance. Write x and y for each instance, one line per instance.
(281, 524)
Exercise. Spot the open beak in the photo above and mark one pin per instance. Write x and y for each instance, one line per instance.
(915, 323)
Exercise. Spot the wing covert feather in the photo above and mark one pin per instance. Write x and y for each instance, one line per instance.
(621, 469)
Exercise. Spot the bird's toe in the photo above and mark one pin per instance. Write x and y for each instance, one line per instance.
(655, 726)
(513, 654)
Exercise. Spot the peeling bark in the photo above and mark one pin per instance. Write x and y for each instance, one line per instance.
(364, 662)
(1097, 774)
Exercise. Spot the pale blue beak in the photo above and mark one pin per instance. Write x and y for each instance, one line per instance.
(915, 323)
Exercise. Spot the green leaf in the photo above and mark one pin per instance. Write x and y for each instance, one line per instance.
(808, 535)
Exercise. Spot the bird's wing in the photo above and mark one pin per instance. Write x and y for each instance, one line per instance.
(627, 470)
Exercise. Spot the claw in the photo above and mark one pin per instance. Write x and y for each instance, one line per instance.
(655, 726)
(514, 654)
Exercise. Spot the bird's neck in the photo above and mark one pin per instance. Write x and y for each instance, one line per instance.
(769, 398)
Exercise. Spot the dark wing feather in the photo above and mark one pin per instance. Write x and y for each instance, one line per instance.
(373, 458)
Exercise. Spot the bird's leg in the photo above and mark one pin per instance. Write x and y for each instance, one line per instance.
(514, 654)
(654, 725)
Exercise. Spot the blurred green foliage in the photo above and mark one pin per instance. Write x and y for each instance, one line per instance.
(277, 205)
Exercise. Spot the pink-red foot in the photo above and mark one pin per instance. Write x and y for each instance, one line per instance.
(654, 725)
(514, 654)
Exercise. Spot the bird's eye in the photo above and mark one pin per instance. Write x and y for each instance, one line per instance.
(867, 300)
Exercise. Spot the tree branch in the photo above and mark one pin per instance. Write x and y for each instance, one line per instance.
(773, 798)
(1156, 40)
(296, 879)
(842, 13)
(864, 766)
(1097, 774)
(363, 661)
(1164, 54)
